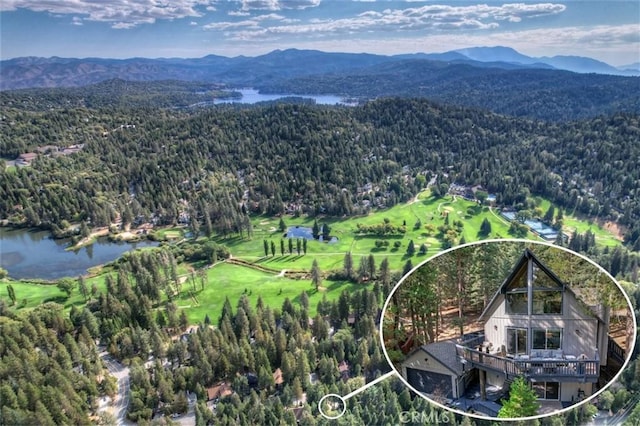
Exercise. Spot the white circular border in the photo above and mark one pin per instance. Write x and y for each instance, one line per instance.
(337, 416)
(509, 240)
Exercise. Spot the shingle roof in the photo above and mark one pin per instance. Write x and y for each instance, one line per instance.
(445, 353)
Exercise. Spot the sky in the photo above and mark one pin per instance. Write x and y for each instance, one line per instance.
(605, 30)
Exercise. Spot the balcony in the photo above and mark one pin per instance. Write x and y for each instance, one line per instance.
(565, 369)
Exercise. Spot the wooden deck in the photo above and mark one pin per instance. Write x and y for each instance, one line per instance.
(568, 369)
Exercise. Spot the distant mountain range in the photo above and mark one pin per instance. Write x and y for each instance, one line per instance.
(279, 65)
(578, 64)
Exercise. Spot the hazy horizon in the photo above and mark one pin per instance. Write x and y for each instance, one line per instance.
(116, 29)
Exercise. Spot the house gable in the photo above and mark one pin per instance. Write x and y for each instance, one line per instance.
(533, 310)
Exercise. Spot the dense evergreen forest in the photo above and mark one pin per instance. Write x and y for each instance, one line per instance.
(550, 95)
(218, 164)
(278, 360)
(212, 168)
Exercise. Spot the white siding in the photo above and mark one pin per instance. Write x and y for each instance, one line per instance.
(579, 327)
(568, 390)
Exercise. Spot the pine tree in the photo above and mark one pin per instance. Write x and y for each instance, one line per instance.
(411, 248)
(522, 402)
(385, 272)
(348, 265)
(372, 267)
(12, 294)
(407, 267)
(326, 231)
(485, 227)
(316, 276)
(82, 287)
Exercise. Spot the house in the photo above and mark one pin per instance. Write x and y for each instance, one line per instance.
(343, 368)
(277, 378)
(298, 413)
(26, 158)
(218, 391)
(436, 369)
(535, 327)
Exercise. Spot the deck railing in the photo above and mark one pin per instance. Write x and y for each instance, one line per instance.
(472, 340)
(616, 351)
(584, 370)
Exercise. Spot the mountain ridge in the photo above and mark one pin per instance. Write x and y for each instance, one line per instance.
(28, 72)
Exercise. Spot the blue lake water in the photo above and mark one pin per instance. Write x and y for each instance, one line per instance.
(33, 254)
(251, 96)
(304, 232)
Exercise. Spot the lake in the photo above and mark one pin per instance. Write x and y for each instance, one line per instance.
(33, 254)
(251, 96)
(306, 233)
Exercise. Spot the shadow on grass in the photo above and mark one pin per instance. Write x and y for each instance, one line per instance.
(294, 258)
(337, 285)
(309, 292)
(57, 299)
(77, 303)
(378, 249)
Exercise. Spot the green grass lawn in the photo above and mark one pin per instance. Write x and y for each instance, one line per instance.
(428, 209)
(170, 234)
(229, 280)
(232, 281)
(35, 294)
(572, 223)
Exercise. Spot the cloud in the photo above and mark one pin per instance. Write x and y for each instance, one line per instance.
(248, 24)
(430, 17)
(239, 13)
(615, 44)
(122, 14)
(278, 4)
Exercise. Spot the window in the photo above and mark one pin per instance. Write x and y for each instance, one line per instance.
(547, 390)
(520, 280)
(516, 341)
(517, 303)
(547, 302)
(542, 280)
(547, 339)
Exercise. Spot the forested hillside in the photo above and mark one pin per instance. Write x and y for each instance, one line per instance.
(529, 89)
(120, 153)
(216, 165)
(551, 95)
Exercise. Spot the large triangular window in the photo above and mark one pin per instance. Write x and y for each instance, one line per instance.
(547, 292)
(517, 292)
(532, 278)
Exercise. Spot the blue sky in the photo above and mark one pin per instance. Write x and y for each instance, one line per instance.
(605, 30)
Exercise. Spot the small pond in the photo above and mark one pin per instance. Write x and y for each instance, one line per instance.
(306, 233)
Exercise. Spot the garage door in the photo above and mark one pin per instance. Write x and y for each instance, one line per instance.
(429, 382)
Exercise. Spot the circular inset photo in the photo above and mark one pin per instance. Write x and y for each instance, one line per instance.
(508, 329)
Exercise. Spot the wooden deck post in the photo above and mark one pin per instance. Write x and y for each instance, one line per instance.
(483, 384)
